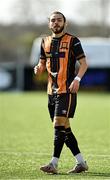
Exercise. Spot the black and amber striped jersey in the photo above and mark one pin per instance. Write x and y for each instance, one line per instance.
(60, 55)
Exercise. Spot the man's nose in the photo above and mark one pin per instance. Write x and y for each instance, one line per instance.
(56, 21)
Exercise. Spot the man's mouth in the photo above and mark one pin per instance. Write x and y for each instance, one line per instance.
(56, 26)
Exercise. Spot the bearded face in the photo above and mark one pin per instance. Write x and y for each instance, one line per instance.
(57, 29)
(56, 23)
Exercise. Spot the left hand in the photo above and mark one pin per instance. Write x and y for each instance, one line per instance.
(74, 86)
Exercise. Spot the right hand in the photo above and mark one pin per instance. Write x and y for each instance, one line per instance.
(37, 69)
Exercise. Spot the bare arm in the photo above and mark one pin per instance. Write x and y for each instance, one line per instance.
(74, 86)
(40, 68)
(83, 67)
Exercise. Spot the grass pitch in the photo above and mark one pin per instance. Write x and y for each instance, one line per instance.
(26, 136)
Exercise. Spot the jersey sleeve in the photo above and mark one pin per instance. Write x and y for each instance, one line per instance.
(42, 52)
(77, 49)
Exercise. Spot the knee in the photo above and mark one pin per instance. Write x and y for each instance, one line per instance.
(59, 121)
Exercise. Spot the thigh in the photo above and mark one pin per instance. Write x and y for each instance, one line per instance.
(65, 105)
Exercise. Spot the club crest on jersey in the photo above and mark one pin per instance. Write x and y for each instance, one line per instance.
(64, 45)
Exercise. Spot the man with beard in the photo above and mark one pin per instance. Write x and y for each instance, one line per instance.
(59, 53)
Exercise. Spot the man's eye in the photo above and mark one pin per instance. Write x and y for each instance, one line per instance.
(52, 20)
(59, 20)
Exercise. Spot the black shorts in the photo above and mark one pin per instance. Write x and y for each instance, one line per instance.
(62, 105)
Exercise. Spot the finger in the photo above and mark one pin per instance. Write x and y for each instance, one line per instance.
(35, 70)
(71, 89)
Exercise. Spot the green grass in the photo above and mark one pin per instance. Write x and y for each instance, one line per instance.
(26, 136)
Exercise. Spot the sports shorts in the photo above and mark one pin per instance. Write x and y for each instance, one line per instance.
(63, 105)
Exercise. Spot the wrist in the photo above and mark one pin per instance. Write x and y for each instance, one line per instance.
(77, 78)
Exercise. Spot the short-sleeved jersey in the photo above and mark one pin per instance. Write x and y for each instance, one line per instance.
(60, 55)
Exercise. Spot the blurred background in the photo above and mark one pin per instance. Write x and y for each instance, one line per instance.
(24, 22)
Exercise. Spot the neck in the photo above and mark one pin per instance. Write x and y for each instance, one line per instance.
(58, 35)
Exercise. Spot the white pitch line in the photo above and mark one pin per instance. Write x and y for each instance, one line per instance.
(23, 153)
(98, 155)
(43, 153)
